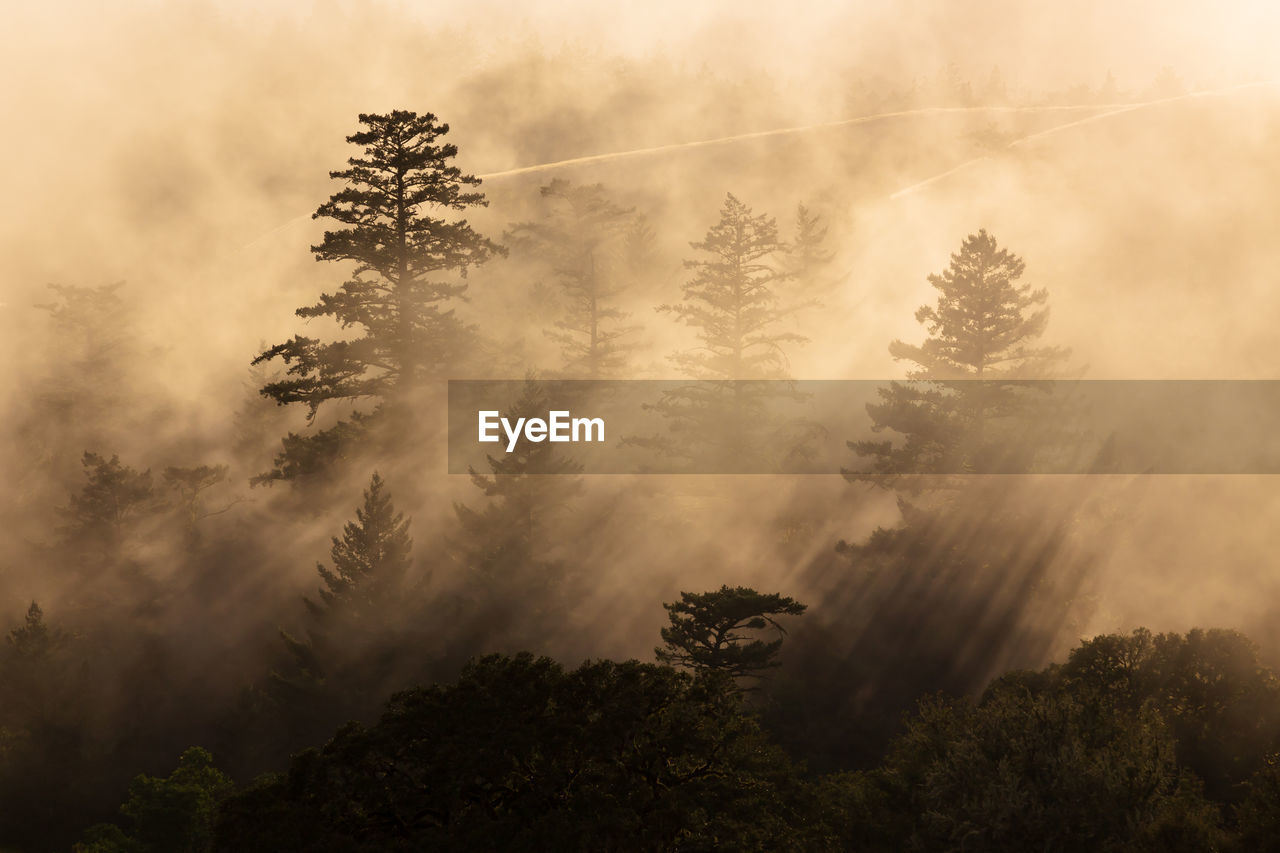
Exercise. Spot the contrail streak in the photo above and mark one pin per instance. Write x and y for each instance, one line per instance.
(1101, 111)
(783, 131)
(1108, 112)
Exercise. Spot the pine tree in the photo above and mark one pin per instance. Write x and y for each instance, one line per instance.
(971, 369)
(639, 248)
(370, 561)
(88, 392)
(583, 240)
(33, 673)
(400, 288)
(525, 489)
(190, 484)
(353, 629)
(807, 256)
(113, 499)
(734, 302)
(34, 640)
(708, 631)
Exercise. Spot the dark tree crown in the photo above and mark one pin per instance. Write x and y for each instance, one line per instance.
(370, 560)
(708, 630)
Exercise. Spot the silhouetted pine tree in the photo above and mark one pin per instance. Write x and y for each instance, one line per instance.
(114, 498)
(46, 733)
(505, 548)
(190, 484)
(400, 289)
(983, 327)
(353, 642)
(715, 630)
(736, 304)
(639, 248)
(807, 255)
(583, 240)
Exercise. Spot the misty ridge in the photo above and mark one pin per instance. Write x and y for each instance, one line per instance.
(230, 526)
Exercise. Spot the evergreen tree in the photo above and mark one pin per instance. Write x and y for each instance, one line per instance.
(639, 248)
(807, 255)
(34, 640)
(734, 302)
(353, 640)
(505, 547)
(190, 484)
(582, 240)
(707, 630)
(400, 288)
(32, 685)
(369, 562)
(971, 368)
(258, 421)
(86, 392)
(48, 739)
(113, 499)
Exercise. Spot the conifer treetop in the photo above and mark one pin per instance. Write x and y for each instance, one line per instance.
(391, 190)
(984, 321)
(732, 301)
(371, 558)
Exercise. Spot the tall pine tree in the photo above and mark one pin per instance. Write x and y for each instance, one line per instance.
(506, 549)
(354, 640)
(737, 305)
(408, 265)
(583, 240)
(971, 369)
(807, 255)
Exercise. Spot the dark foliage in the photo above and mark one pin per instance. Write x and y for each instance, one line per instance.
(519, 754)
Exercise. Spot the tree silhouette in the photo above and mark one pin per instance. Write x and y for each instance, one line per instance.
(583, 240)
(723, 422)
(733, 302)
(519, 754)
(807, 255)
(354, 640)
(708, 630)
(113, 499)
(399, 290)
(166, 815)
(1031, 770)
(190, 484)
(507, 548)
(972, 366)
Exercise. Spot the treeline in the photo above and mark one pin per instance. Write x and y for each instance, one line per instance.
(1159, 742)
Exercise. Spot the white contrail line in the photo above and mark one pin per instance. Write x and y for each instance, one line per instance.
(1112, 110)
(783, 131)
(1102, 111)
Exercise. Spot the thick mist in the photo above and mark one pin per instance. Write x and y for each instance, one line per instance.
(1124, 150)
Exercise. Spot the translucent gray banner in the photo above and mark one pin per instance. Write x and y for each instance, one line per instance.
(866, 428)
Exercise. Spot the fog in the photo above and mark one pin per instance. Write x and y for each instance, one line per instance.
(1126, 151)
